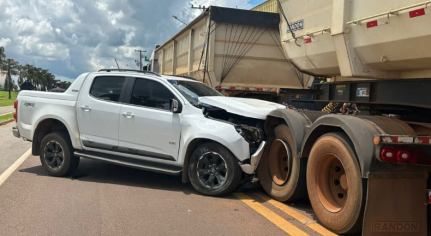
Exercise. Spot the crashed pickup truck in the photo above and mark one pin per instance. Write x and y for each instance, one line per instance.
(168, 124)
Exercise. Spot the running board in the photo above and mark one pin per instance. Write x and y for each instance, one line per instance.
(130, 162)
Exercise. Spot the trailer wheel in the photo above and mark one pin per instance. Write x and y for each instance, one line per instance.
(335, 185)
(281, 172)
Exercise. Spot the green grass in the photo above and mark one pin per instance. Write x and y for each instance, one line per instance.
(6, 117)
(4, 98)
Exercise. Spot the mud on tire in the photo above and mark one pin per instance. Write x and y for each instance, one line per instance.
(281, 172)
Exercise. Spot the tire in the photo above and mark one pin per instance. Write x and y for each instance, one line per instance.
(335, 185)
(287, 186)
(56, 154)
(206, 161)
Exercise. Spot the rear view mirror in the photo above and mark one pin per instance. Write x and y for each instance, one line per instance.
(176, 106)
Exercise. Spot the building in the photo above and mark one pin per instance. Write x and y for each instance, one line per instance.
(268, 6)
(3, 79)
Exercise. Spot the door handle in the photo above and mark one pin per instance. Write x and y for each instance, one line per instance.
(86, 108)
(128, 114)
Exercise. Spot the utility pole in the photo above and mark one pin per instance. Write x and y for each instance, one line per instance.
(140, 57)
(200, 8)
(176, 18)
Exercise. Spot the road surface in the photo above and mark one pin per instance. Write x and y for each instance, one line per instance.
(104, 199)
(6, 110)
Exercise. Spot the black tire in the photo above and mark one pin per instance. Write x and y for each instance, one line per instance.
(199, 172)
(58, 163)
(292, 187)
(335, 185)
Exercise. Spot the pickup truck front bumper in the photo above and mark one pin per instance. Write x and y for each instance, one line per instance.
(254, 160)
(15, 132)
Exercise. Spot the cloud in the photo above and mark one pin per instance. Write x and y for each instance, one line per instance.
(70, 37)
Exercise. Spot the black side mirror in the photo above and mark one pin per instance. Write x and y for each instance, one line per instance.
(176, 106)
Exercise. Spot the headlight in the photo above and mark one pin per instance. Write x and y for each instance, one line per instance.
(249, 133)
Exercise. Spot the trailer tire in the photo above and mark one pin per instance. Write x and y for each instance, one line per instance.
(335, 185)
(281, 172)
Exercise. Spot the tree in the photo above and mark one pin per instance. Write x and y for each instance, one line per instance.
(11, 66)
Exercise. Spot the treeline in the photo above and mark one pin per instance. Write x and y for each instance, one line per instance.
(40, 78)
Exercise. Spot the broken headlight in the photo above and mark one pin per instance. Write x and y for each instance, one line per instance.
(249, 133)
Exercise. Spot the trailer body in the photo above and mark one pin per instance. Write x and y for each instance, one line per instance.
(231, 50)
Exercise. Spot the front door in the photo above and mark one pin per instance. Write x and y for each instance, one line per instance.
(147, 126)
(98, 112)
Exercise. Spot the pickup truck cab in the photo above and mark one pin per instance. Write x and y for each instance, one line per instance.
(166, 124)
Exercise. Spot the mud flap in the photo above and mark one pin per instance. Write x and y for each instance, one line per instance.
(396, 204)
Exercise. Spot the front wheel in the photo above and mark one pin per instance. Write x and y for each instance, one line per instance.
(335, 186)
(56, 154)
(214, 170)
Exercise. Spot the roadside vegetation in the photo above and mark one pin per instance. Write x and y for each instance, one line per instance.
(6, 117)
(4, 98)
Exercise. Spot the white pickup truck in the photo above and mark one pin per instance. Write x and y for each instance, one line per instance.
(167, 124)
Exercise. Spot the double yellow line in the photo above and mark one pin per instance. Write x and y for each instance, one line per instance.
(283, 224)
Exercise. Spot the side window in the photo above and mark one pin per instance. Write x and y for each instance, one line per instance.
(150, 93)
(107, 88)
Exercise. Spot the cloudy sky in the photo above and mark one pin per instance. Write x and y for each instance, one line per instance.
(70, 37)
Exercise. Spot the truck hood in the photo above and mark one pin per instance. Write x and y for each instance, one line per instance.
(253, 108)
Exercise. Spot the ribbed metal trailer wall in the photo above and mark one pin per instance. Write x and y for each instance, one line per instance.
(244, 52)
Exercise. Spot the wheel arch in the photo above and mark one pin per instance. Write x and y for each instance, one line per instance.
(296, 122)
(44, 127)
(359, 132)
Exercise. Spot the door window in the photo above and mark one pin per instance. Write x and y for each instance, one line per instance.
(150, 93)
(107, 88)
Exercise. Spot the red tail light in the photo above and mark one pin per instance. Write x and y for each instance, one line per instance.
(388, 154)
(15, 115)
(403, 156)
(411, 156)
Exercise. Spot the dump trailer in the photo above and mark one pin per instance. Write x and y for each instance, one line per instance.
(365, 166)
(236, 51)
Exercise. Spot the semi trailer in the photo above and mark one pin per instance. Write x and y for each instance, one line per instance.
(367, 172)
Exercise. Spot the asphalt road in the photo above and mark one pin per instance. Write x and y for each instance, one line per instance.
(11, 148)
(104, 199)
(6, 110)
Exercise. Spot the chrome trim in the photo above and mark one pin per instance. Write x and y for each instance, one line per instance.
(254, 160)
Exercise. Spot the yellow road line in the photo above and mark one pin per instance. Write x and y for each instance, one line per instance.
(297, 215)
(270, 215)
(5, 175)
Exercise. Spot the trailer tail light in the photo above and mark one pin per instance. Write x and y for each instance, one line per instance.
(403, 156)
(411, 156)
(429, 196)
(15, 115)
(388, 154)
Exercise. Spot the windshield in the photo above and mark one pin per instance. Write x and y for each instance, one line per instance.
(192, 91)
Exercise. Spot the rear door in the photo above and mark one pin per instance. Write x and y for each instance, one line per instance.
(98, 111)
(147, 126)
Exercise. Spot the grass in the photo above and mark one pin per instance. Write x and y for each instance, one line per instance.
(4, 98)
(6, 117)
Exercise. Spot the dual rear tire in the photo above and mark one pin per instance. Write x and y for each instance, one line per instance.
(331, 176)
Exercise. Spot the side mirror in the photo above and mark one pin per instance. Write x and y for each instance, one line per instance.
(176, 106)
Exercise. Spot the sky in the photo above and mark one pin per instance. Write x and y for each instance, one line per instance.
(70, 37)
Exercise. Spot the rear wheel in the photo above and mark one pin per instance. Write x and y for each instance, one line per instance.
(281, 172)
(56, 154)
(214, 170)
(334, 184)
